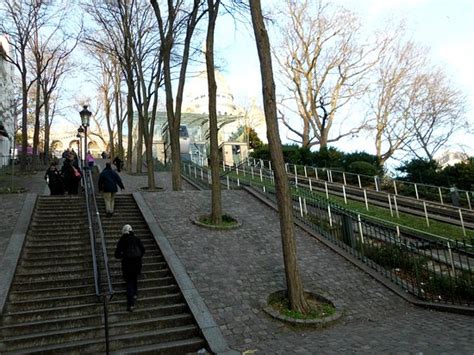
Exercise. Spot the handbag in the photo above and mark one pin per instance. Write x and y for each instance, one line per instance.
(76, 172)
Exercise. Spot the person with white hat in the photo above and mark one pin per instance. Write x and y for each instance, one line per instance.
(130, 250)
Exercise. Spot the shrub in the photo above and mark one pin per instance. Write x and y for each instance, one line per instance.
(362, 168)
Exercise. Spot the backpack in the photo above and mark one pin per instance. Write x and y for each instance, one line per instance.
(133, 250)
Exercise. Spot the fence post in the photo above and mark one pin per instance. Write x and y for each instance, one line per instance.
(195, 172)
(286, 167)
(301, 207)
(251, 171)
(468, 200)
(462, 222)
(202, 175)
(326, 188)
(223, 165)
(360, 229)
(390, 205)
(451, 258)
(228, 185)
(376, 183)
(296, 176)
(344, 178)
(440, 196)
(365, 199)
(327, 173)
(270, 165)
(416, 192)
(238, 182)
(304, 206)
(305, 172)
(426, 214)
(310, 185)
(344, 193)
(237, 170)
(358, 179)
(330, 174)
(261, 176)
(348, 231)
(329, 215)
(396, 206)
(395, 187)
(316, 173)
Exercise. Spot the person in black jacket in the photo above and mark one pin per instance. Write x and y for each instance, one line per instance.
(130, 250)
(55, 180)
(71, 174)
(108, 181)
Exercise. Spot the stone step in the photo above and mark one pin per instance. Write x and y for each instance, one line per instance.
(56, 276)
(62, 226)
(45, 284)
(65, 240)
(185, 346)
(51, 292)
(144, 292)
(116, 274)
(42, 326)
(58, 249)
(118, 283)
(52, 302)
(58, 260)
(52, 313)
(61, 268)
(83, 252)
(59, 234)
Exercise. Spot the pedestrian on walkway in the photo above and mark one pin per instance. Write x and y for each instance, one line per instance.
(108, 181)
(71, 174)
(90, 160)
(118, 163)
(54, 179)
(130, 250)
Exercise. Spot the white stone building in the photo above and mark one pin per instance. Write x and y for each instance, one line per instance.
(7, 127)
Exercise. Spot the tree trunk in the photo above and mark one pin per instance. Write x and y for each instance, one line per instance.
(130, 123)
(216, 210)
(24, 120)
(47, 127)
(285, 208)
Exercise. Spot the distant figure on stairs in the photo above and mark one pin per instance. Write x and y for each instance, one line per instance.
(118, 163)
(90, 160)
(130, 250)
(108, 181)
(71, 174)
(54, 179)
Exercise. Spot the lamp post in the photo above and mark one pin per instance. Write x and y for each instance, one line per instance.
(79, 141)
(85, 120)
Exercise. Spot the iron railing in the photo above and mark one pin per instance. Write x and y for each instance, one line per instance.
(432, 268)
(96, 231)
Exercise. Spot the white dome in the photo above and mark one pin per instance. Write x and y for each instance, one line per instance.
(196, 95)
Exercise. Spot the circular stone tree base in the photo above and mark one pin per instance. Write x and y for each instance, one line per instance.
(322, 322)
(231, 222)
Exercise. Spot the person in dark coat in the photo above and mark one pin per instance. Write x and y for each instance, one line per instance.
(71, 174)
(118, 163)
(130, 250)
(55, 180)
(108, 181)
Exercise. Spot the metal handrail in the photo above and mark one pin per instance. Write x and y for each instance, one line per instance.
(106, 296)
(91, 233)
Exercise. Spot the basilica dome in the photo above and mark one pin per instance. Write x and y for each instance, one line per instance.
(197, 99)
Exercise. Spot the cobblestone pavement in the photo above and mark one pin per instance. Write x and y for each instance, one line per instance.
(236, 270)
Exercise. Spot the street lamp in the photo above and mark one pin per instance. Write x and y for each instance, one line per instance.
(85, 120)
(79, 141)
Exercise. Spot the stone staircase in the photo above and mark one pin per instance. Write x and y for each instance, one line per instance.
(52, 303)
(52, 306)
(161, 321)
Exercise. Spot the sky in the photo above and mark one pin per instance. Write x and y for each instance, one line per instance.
(446, 27)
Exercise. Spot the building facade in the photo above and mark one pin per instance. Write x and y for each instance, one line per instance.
(7, 104)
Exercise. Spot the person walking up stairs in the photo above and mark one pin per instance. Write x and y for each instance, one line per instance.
(108, 182)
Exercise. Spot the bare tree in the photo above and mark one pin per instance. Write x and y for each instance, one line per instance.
(115, 21)
(394, 96)
(439, 114)
(285, 205)
(324, 65)
(20, 19)
(171, 29)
